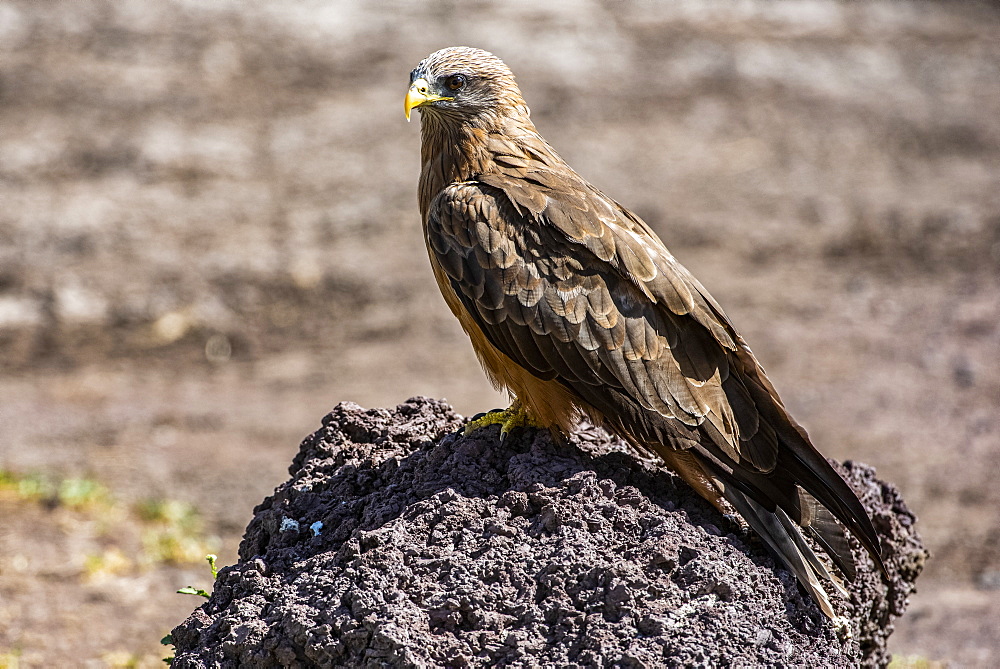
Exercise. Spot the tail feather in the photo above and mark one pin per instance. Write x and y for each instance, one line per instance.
(813, 473)
(785, 540)
(800, 462)
(821, 525)
(829, 499)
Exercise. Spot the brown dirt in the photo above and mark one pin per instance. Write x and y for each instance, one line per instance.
(209, 237)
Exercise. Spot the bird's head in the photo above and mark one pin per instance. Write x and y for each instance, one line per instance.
(461, 83)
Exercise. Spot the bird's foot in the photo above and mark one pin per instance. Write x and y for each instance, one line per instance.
(508, 419)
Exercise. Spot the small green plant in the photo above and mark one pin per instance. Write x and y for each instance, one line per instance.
(168, 640)
(190, 590)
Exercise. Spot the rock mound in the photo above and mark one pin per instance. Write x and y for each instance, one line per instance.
(399, 543)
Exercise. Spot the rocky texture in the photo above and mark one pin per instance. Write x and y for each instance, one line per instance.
(399, 543)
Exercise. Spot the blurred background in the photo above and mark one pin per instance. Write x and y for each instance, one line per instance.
(209, 237)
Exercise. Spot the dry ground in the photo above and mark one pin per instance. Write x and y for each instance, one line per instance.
(208, 237)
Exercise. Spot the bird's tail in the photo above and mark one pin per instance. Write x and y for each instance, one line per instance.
(785, 540)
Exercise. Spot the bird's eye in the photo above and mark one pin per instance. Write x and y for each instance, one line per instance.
(455, 82)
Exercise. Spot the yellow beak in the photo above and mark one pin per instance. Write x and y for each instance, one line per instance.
(420, 94)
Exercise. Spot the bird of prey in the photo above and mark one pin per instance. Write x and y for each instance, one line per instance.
(577, 309)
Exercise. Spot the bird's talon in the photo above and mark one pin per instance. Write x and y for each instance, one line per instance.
(482, 414)
(508, 419)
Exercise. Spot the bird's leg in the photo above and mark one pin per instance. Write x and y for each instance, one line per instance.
(512, 417)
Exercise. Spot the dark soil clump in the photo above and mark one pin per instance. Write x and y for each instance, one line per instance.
(398, 542)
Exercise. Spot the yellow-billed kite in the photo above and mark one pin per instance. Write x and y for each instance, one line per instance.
(576, 308)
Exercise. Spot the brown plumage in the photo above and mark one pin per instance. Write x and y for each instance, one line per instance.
(575, 306)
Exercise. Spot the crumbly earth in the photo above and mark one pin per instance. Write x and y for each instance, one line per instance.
(399, 542)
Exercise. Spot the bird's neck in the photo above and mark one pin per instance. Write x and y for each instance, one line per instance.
(453, 152)
(449, 153)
